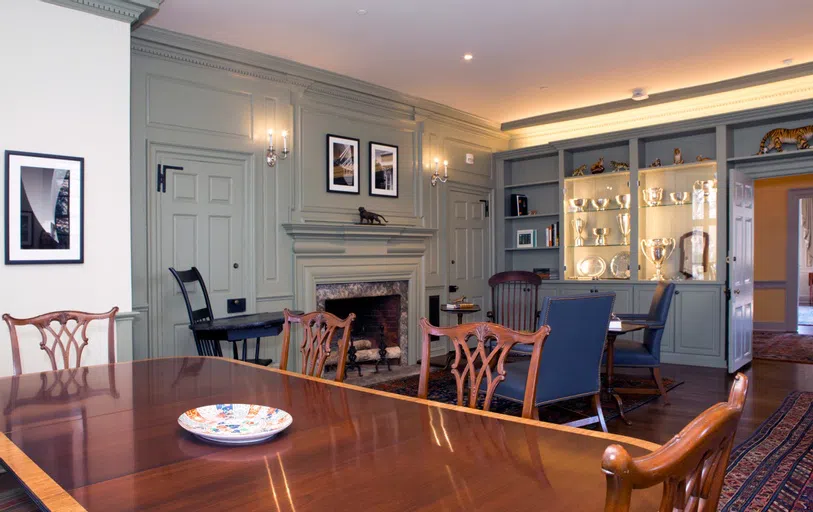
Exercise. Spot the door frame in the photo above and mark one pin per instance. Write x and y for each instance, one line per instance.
(475, 189)
(792, 258)
(155, 304)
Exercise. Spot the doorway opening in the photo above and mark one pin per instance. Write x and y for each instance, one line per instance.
(804, 237)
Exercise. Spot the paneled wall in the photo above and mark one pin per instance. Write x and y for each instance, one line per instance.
(189, 93)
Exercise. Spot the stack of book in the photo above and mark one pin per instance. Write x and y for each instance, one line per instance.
(552, 235)
(547, 273)
(460, 305)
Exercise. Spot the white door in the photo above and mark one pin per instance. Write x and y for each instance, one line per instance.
(200, 225)
(469, 254)
(740, 270)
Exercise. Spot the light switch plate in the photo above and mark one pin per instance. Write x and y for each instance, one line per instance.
(470, 158)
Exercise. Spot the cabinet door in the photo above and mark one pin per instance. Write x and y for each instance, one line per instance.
(571, 290)
(698, 311)
(623, 297)
(643, 299)
(547, 290)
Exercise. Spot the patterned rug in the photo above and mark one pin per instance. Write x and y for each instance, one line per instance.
(442, 388)
(783, 346)
(772, 469)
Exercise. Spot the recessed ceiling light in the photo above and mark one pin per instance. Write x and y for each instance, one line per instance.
(787, 62)
(468, 56)
(361, 12)
(639, 95)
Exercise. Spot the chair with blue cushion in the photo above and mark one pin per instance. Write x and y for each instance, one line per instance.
(632, 354)
(570, 366)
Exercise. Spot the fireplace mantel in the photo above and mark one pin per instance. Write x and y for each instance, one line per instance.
(325, 238)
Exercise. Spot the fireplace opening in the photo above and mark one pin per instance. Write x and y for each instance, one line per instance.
(375, 329)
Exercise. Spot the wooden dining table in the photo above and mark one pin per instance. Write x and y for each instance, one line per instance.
(107, 438)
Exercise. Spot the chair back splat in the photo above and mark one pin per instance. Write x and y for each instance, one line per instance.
(319, 329)
(515, 300)
(691, 466)
(63, 336)
(482, 366)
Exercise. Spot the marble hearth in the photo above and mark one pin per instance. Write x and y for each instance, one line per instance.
(341, 260)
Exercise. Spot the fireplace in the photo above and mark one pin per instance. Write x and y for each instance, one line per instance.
(381, 310)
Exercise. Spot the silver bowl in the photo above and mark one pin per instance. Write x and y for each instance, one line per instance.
(600, 203)
(679, 197)
(623, 201)
(577, 204)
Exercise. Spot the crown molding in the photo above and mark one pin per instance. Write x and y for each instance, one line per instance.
(128, 11)
(170, 45)
(765, 77)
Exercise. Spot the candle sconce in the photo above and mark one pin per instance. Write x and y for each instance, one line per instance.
(271, 155)
(436, 177)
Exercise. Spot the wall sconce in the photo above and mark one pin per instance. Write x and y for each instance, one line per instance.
(436, 176)
(271, 154)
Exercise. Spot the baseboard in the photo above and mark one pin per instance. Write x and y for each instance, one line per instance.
(693, 360)
(770, 326)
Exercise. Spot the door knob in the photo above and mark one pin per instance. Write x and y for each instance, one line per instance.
(236, 265)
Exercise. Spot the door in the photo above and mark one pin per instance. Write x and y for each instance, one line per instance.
(201, 225)
(469, 249)
(740, 270)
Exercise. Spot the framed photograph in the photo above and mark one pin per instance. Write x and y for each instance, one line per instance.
(383, 170)
(342, 164)
(694, 254)
(44, 208)
(526, 238)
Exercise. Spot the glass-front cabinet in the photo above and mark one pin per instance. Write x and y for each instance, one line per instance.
(677, 222)
(597, 226)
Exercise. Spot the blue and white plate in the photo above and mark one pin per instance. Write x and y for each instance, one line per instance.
(235, 423)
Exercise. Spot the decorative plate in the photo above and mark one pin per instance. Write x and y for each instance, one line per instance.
(620, 265)
(592, 266)
(235, 423)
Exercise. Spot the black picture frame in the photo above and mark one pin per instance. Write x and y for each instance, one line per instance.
(331, 181)
(72, 195)
(374, 190)
(686, 251)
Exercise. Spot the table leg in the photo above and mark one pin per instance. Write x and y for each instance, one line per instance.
(234, 349)
(245, 349)
(257, 351)
(610, 372)
(459, 318)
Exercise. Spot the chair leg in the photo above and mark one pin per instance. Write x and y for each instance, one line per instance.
(535, 414)
(656, 374)
(599, 411)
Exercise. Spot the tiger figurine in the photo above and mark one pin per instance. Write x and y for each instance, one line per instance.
(778, 136)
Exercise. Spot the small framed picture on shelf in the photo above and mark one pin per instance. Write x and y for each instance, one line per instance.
(526, 238)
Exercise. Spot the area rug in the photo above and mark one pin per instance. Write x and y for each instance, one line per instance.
(783, 346)
(442, 388)
(805, 315)
(772, 469)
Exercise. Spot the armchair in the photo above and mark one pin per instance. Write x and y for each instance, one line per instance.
(515, 300)
(632, 354)
(570, 366)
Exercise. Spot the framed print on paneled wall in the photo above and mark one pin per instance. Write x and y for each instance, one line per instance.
(342, 164)
(44, 208)
(383, 170)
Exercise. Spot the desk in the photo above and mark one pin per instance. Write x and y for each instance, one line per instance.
(242, 327)
(348, 449)
(612, 334)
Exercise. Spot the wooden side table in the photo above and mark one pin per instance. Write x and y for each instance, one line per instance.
(460, 313)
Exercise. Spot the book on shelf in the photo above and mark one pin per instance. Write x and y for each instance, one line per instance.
(460, 305)
(547, 273)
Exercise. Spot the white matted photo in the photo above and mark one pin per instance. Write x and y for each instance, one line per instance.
(342, 164)
(526, 238)
(383, 170)
(44, 208)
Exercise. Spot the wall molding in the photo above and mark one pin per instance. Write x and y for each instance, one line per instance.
(771, 326)
(313, 81)
(770, 285)
(128, 11)
(792, 258)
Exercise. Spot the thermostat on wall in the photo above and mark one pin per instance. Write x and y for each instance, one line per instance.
(469, 158)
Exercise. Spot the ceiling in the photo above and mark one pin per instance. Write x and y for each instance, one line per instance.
(531, 57)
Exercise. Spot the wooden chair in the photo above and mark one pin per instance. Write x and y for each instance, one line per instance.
(491, 360)
(319, 329)
(515, 300)
(63, 340)
(691, 466)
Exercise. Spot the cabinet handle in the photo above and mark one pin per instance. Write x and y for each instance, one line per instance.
(677, 292)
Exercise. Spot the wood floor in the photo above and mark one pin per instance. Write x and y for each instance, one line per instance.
(769, 384)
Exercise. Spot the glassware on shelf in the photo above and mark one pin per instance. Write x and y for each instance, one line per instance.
(601, 235)
(600, 203)
(579, 225)
(592, 266)
(620, 265)
(624, 226)
(679, 197)
(623, 201)
(657, 251)
(708, 187)
(577, 204)
(652, 196)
